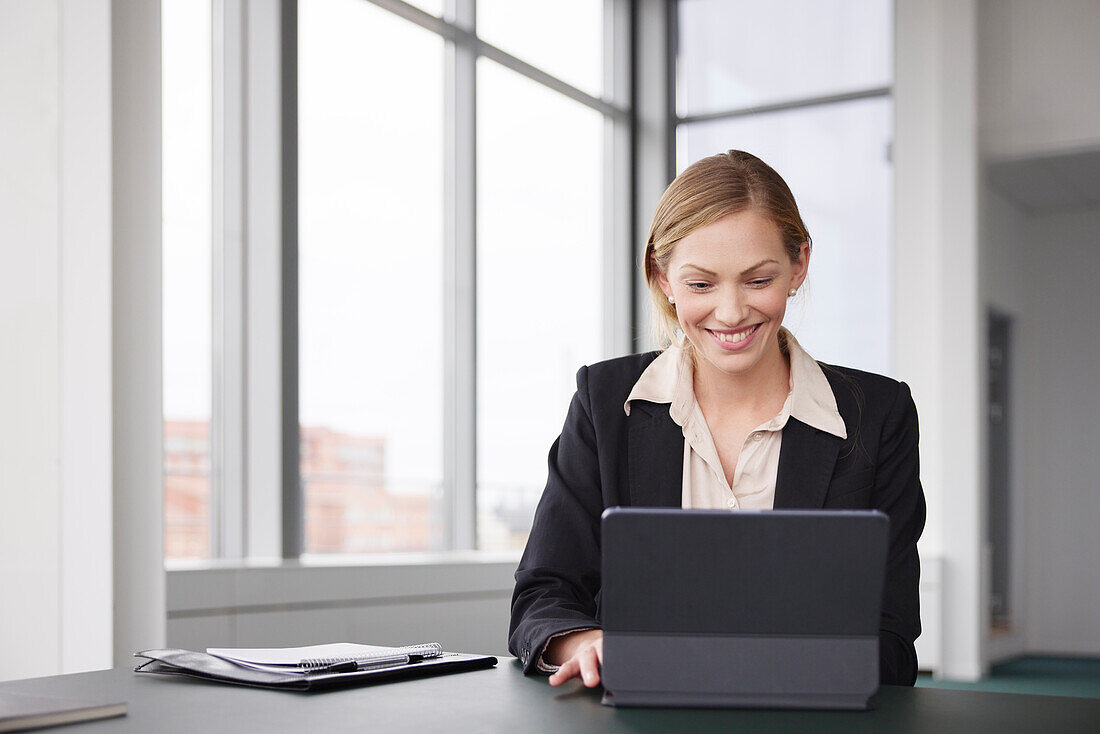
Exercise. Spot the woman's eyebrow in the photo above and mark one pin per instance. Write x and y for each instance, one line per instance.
(762, 263)
(758, 265)
(704, 271)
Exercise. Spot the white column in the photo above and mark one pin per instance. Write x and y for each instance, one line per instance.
(938, 336)
(139, 619)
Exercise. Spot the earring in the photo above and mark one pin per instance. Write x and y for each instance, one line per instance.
(671, 299)
(792, 292)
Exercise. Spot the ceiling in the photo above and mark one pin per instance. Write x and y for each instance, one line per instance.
(1049, 183)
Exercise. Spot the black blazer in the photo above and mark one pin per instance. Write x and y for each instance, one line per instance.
(605, 458)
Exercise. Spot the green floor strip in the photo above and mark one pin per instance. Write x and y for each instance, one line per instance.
(1043, 675)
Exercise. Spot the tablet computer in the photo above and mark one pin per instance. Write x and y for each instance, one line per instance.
(711, 608)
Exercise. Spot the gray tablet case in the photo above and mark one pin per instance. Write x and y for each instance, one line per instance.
(710, 608)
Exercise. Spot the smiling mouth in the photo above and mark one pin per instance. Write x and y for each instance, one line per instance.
(733, 337)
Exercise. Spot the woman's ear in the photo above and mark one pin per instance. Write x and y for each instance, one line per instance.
(662, 279)
(662, 282)
(801, 266)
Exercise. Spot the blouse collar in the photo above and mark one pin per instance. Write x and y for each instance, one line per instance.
(670, 379)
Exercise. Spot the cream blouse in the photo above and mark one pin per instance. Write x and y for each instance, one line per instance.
(670, 379)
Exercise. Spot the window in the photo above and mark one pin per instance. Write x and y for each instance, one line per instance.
(187, 156)
(738, 54)
(370, 259)
(401, 342)
(448, 266)
(567, 42)
(540, 285)
(808, 92)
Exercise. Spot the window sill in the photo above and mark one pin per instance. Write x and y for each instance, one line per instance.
(219, 587)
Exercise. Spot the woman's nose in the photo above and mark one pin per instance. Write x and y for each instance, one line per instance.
(731, 307)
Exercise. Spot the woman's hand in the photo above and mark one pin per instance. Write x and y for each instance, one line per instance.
(582, 653)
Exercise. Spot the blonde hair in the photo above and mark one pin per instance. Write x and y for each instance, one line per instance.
(706, 191)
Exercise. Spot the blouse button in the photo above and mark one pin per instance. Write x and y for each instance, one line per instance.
(758, 436)
(732, 502)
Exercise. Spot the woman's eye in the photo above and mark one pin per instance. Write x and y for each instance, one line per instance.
(761, 282)
(698, 286)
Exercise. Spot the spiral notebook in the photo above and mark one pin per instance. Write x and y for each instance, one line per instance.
(321, 657)
(312, 668)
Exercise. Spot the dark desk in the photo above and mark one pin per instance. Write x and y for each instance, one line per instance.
(503, 700)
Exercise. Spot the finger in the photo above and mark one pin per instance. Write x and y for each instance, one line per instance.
(590, 667)
(567, 670)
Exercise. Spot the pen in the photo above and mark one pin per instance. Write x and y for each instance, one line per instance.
(395, 656)
(385, 661)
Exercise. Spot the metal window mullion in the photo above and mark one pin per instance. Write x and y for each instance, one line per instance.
(460, 281)
(229, 211)
(536, 74)
(454, 29)
(793, 104)
(654, 131)
(293, 514)
(671, 47)
(618, 243)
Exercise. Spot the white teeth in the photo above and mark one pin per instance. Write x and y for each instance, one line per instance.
(734, 338)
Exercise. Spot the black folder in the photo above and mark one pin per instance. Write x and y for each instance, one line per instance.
(209, 667)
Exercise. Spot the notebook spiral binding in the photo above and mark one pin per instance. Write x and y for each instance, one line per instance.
(428, 650)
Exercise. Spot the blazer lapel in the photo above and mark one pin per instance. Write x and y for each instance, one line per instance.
(807, 457)
(655, 456)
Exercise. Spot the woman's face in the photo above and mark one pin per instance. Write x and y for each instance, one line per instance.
(730, 281)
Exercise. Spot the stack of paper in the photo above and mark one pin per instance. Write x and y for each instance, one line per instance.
(282, 659)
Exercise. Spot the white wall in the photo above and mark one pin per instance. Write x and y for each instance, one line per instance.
(1040, 96)
(976, 83)
(80, 507)
(30, 326)
(55, 478)
(1063, 407)
(1039, 90)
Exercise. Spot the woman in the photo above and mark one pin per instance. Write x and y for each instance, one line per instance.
(731, 414)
